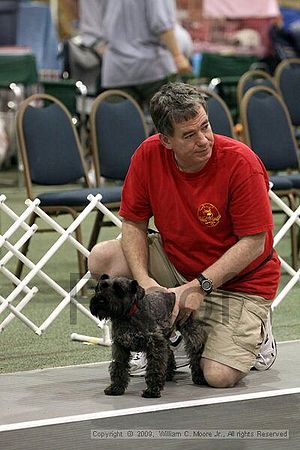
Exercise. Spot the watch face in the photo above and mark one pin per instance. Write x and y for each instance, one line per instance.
(206, 285)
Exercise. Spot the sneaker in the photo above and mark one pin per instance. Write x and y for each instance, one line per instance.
(138, 364)
(181, 358)
(268, 350)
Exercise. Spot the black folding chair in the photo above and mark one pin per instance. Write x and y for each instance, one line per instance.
(118, 127)
(52, 156)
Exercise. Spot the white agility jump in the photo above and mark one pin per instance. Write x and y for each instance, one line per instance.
(21, 287)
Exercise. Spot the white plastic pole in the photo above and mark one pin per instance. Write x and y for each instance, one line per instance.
(285, 228)
(37, 267)
(286, 209)
(286, 289)
(67, 296)
(21, 304)
(104, 341)
(59, 228)
(18, 222)
(287, 267)
(8, 256)
(21, 316)
(19, 244)
(11, 213)
(106, 211)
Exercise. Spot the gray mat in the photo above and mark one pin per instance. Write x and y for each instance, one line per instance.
(58, 408)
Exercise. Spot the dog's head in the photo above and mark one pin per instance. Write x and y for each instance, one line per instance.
(114, 297)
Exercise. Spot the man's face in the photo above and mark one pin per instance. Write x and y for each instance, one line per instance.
(192, 142)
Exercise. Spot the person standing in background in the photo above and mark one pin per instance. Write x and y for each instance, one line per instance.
(142, 51)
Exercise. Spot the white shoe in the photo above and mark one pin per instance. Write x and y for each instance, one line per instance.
(138, 364)
(181, 358)
(268, 351)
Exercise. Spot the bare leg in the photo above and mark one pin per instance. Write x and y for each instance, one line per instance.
(219, 375)
(108, 257)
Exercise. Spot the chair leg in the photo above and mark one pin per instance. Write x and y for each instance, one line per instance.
(24, 248)
(294, 233)
(80, 256)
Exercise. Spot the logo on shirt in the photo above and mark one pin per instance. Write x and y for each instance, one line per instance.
(208, 215)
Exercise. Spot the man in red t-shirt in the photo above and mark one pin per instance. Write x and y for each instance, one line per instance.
(208, 195)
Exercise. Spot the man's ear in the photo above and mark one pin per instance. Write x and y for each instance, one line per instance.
(165, 141)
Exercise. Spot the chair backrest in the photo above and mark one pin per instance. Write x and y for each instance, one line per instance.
(48, 142)
(253, 78)
(118, 127)
(268, 129)
(218, 114)
(287, 76)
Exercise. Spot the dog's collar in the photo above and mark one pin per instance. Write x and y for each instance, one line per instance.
(133, 310)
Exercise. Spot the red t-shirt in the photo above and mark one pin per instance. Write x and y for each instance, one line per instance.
(201, 215)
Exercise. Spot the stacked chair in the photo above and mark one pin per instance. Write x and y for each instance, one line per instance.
(254, 78)
(287, 77)
(268, 131)
(218, 114)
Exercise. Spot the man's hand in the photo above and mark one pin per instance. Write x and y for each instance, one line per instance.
(188, 300)
(150, 285)
(182, 63)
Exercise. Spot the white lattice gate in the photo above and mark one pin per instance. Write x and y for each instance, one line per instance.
(36, 269)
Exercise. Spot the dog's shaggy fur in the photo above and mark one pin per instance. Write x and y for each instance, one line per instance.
(141, 322)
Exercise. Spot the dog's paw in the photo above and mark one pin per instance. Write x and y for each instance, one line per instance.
(114, 390)
(147, 393)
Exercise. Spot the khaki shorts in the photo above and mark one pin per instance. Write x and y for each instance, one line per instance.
(233, 321)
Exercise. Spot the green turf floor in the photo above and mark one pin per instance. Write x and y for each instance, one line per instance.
(22, 349)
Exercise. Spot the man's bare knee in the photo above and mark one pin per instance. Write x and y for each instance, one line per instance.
(108, 257)
(219, 375)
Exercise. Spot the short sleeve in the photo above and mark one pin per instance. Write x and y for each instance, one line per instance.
(161, 15)
(135, 204)
(250, 207)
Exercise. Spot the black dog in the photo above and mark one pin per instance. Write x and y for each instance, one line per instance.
(141, 322)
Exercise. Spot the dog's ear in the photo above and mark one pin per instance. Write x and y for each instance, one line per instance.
(135, 288)
(118, 289)
(104, 276)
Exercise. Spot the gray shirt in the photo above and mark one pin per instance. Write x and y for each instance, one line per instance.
(90, 21)
(134, 53)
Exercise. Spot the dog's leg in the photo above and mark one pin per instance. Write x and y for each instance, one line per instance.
(157, 361)
(119, 370)
(194, 338)
(171, 368)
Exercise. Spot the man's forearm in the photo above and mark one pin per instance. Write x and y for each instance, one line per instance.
(236, 259)
(168, 38)
(135, 248)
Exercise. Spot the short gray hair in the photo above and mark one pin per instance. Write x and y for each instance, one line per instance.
(175, 103)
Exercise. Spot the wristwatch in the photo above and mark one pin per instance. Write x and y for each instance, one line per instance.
(205, 283)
